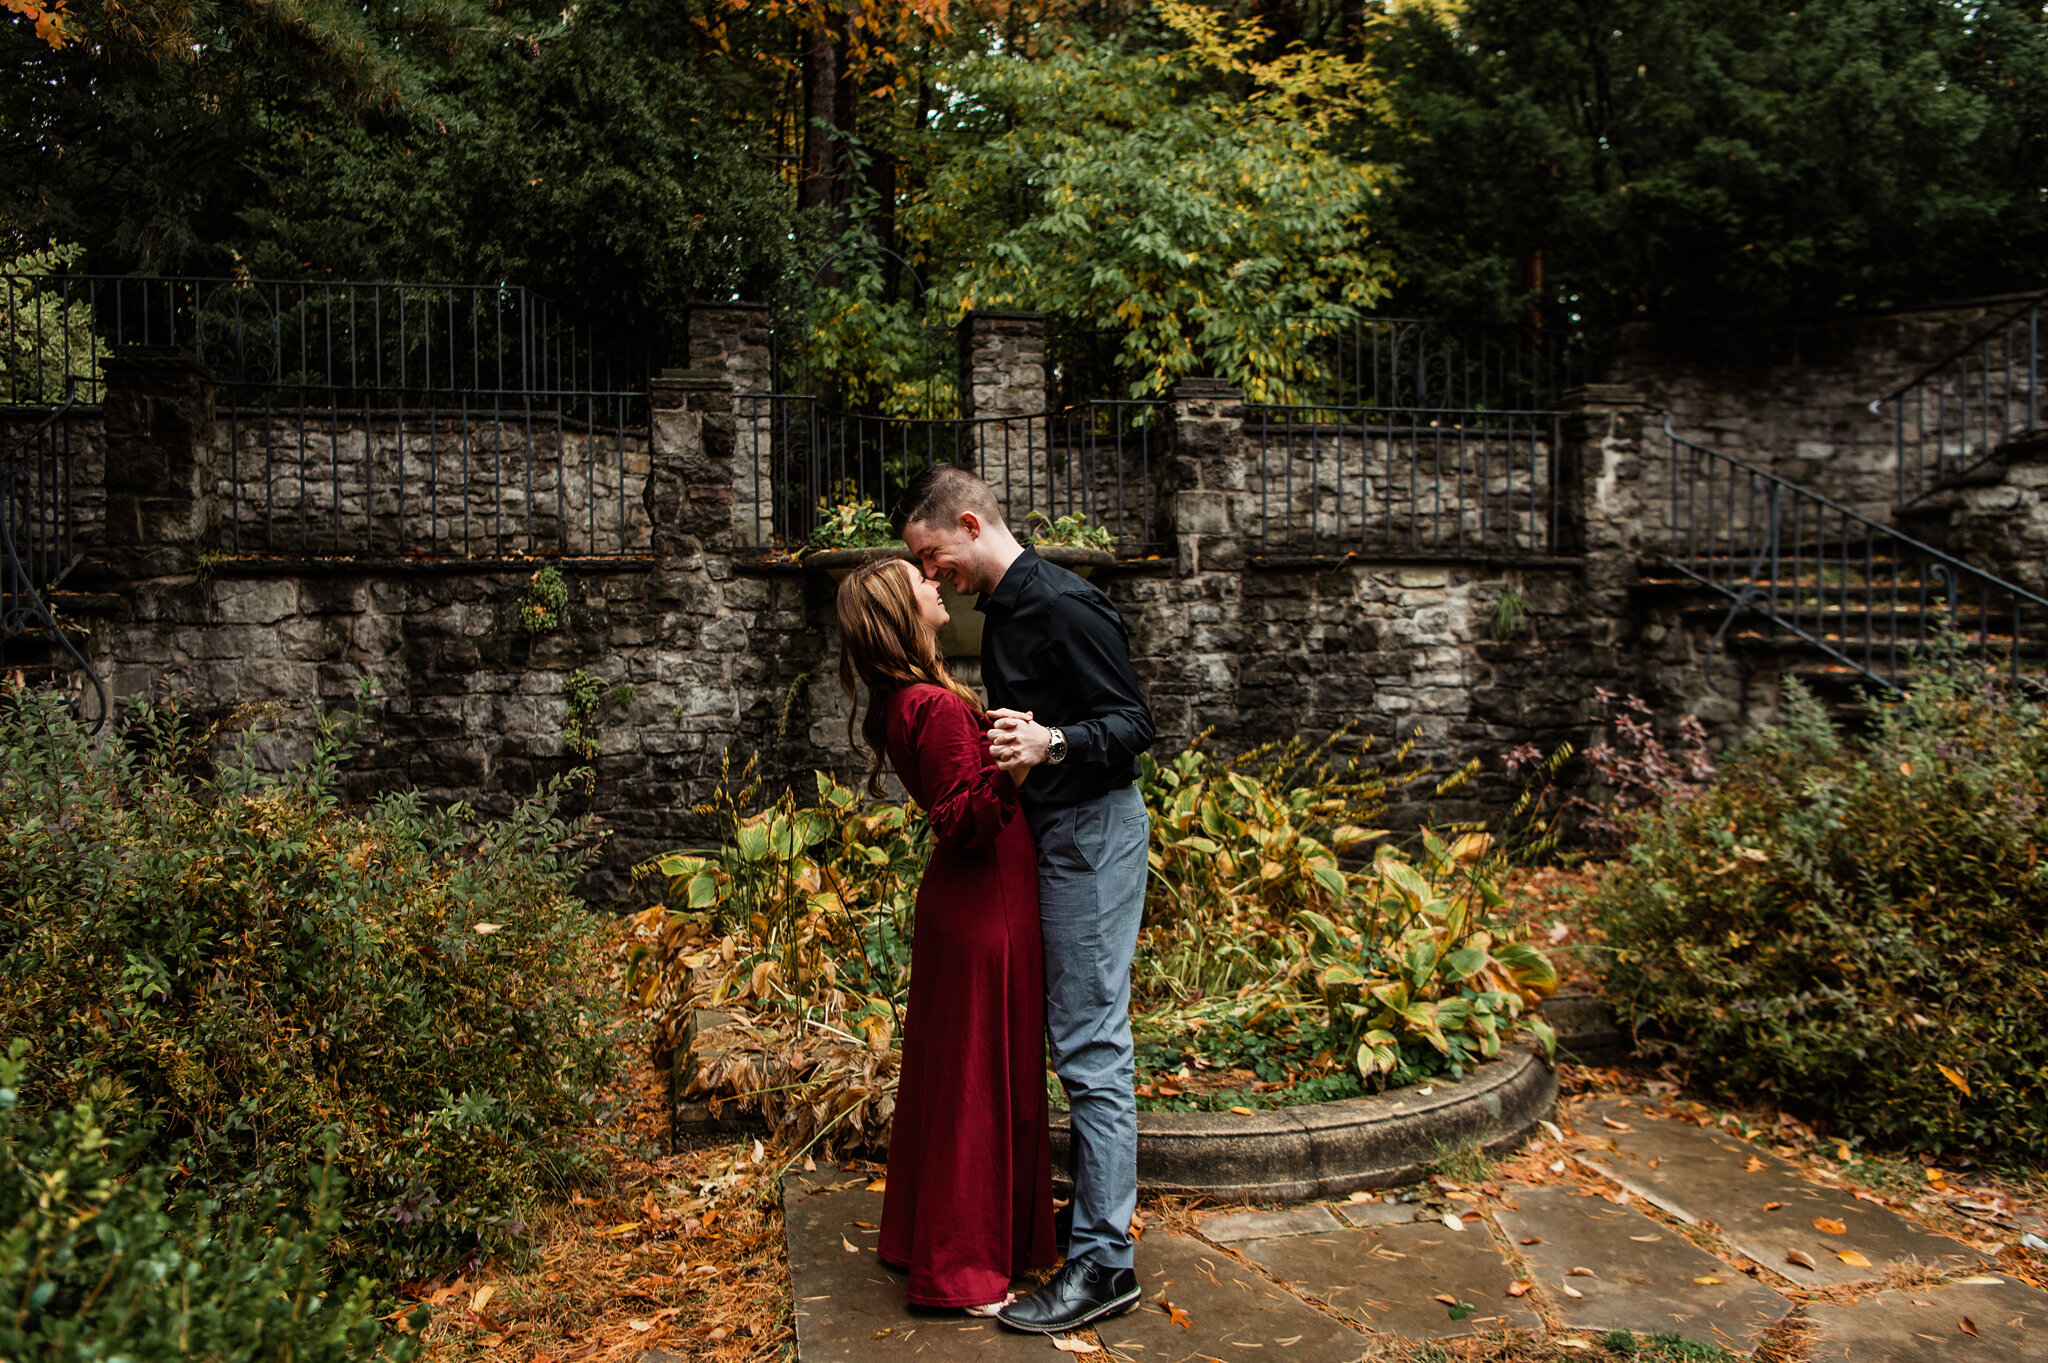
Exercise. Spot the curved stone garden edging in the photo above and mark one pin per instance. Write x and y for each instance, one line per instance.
(1316, 1150)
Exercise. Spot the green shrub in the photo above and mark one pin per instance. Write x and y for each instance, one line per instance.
(251, 971)
(98, 1262)
(1854, 927)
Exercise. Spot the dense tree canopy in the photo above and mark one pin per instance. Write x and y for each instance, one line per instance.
(1719, 158)
(1196, 177)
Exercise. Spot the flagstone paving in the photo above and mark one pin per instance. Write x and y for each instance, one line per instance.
(1329, 1282)
(1632, 1273)
(1224, 1227)
(1989, 1318)
(1389, 1278)
(1804, 1232)
(1202, 1304)
(849, 1305)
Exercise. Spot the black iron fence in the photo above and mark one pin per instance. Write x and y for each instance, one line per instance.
(1099, 462)
(1955, 414)
(1416, 363)
(388, 419)
(1869, 598)
(1390, 362)
(1367, 480)
(39, 547)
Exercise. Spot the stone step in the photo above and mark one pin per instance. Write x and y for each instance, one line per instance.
(849, 1306)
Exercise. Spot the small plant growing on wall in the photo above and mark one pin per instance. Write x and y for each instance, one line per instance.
(1510, 612)
(850, 524)
(546, 595)
(1070, 531)
(588, 696)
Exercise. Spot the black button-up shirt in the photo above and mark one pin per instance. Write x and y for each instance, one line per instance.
(1054, 645)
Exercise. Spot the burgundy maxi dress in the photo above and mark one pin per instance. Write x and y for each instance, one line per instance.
(969, 1200)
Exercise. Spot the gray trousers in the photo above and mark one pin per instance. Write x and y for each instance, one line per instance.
(1092, 872)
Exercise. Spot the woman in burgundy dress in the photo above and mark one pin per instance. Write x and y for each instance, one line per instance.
(969, 1200)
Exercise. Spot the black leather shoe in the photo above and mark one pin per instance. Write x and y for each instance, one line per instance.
(1079, 1294)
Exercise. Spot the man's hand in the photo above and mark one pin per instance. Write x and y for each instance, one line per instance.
(1018, 741)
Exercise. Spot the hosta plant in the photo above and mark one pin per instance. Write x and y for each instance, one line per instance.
(1269, 941)
(797, 933)
(851, 523)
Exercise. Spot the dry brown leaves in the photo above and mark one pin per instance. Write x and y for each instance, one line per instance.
(1552, 901)
(682, 1253)
(678, 1252)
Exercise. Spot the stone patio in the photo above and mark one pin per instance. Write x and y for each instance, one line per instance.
(1686, 1230)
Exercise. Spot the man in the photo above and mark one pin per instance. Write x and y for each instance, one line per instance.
(1055, 657)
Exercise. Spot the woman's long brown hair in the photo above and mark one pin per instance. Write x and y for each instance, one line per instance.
(884, 642)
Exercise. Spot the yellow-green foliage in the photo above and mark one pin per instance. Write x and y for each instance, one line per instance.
(797, 932)
(1071, 530)
(98, 1260)
(1255, 921)
(852, 523)
(799, 927)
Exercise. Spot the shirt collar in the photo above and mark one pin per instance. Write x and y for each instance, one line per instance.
(1020, 571)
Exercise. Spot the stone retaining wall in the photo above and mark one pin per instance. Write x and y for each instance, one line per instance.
(731, 657)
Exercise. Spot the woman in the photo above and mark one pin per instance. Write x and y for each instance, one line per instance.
(969, 1200)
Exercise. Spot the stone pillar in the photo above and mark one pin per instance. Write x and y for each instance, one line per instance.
(691, 488)
(163, 496)
(1611, 469)
(1213, 514)
(736, 340)
(1002, 392)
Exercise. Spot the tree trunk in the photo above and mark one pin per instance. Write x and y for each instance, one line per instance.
(824, 58)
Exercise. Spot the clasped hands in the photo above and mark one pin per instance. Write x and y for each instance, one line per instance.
(1017, 742)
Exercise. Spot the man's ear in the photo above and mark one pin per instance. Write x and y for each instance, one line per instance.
(970, 525)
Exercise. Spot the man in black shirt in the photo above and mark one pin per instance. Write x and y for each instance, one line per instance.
(1056, 661)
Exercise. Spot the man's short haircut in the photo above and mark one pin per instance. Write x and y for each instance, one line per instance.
(938, 496)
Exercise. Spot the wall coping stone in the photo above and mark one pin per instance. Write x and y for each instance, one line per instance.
(1604, 395)
(429, 567)
(1298, 562)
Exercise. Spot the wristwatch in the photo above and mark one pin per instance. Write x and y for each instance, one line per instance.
(1055, 747)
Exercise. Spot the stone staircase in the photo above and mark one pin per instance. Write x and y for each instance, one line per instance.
(1788, 581)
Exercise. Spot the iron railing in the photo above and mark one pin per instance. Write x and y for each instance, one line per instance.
(362, 341)
(39, 547)
(1417, 363)
(1871, 599)
(1394, 362)
(425, 420)
(1377, 481)
(1098, 461)
(1955, 414)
